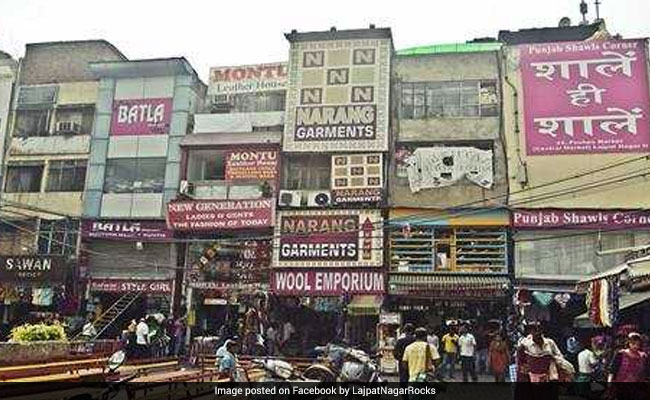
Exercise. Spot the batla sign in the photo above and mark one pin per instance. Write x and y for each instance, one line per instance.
(342, 238)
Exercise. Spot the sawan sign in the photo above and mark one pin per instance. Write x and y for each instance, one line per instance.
(31, 268)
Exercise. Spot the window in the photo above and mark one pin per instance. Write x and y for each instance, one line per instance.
(307, 172)
(58, 237)
(17, 237)
(129, 175)
(449, 99)
(75, 120)
(66, 176)
(32, 123)
(24, 178)
(250, 102)
(437, 249)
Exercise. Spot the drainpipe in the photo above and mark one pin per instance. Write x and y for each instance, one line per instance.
(515, 99)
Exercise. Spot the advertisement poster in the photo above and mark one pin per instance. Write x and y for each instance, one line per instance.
(205, 215)
(247, 79)
(141, 117)
(31, 268)
(143, 231)
(326, 282)
(251, 165)
(580, 219)
(336, 238)
(585, 97)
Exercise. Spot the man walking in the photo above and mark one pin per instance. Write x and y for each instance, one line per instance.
(142, 338)
(467, 344)
(403, 341)
(419, 357)
(450, 347)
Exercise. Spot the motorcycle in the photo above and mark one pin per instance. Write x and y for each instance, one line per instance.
(343, 364)
(279, 371)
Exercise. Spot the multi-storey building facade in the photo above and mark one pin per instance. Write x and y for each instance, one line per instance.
(47, 148)
(144, 111)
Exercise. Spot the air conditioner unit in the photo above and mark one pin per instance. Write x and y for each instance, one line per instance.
(318, 198)
(68, 127)
(290, 198)
(186, 188)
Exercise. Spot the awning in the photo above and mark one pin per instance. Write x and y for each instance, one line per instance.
(550, 283)
(619, 269)
(365, 305)
(448, 286)
(231, 138)
(626, 301)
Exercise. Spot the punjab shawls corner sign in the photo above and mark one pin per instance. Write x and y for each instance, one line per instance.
(586, 97)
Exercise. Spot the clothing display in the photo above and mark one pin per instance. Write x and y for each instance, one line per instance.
(602, 301)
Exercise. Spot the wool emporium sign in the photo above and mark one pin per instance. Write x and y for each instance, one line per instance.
(141, 117)
(206, 215)
(586, 97)
(336, 238)
(326, 282)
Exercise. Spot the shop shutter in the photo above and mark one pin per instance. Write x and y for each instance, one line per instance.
(126, 261)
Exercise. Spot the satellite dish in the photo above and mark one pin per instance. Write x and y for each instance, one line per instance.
(565, 22)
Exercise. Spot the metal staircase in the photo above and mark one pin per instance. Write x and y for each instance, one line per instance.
(112, 313)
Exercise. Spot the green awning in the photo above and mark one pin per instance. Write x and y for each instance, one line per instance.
(365, 305)
(450, 48)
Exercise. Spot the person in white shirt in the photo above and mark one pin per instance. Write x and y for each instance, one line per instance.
(587, 360)
(88, 332)
(142, 338)
(467, 344)
(287, 331)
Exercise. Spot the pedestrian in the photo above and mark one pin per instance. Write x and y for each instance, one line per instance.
(540, 360)
(631, 363)
(499, 356)
(432, 338)
(419, 357)
(450, 350)
(271, 339)
(406, 338)
(572, 347)
(131, 346)
(228, 360)
(88, 332)
(179, 335)
(251, 329)
(287, 332)
(142, 338)
(467, 345)
(482, 349)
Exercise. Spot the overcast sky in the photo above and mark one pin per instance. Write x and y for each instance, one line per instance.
(226, 32)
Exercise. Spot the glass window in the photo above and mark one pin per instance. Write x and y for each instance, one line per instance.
(58, 237)
(307, 172)
(32, 123)
(142, 175)
(24, 178)
(449, 99)
(66, 176)
(250, 102)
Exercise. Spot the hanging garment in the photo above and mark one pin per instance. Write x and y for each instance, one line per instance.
(593, 302)
(543, 298)
(604, 304)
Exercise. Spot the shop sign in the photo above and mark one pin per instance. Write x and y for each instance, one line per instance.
(580, 219)
(586, 97)
(337, 238)
(390, 318)
(126, 230)
(348, 196)
(326, 282)
(141, 117)
(123, 286)
(259, 165)
(31, 268)
(205, 215)
(357, 178)
(247, 79)
(343, 108)
(215, 302)
(230, 262)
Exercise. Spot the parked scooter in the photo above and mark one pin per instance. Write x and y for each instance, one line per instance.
(343, 364)
(276, 370)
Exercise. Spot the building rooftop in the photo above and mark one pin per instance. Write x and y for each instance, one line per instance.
(554, 34)
(450, 48)
(144, 67)
(87, 41)
(334, 34)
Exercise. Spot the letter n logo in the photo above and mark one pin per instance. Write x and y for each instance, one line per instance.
(311, 59)
(363, 56)
(338, 76)
(363, 94)
(311, 96)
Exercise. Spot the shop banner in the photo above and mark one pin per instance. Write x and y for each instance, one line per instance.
(141, 117)
(123, 286)
(351, 196)
(143, 231)
(580, 219)
(326, 282)
(333, 238)
(204, 215)
(31, 268)
(586, 97)
(247, 79)
(259, 165)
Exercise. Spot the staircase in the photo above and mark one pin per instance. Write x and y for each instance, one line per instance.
(112, 314)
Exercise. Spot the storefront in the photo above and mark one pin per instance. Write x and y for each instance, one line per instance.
(449, 266)
(134, 259)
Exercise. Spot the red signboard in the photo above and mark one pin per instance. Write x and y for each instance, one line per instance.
(251, 164)
(143, 231)
(203, 215)
(141, 117)
(329, 237)
(123, 285)
(580, 219)
(326, 282)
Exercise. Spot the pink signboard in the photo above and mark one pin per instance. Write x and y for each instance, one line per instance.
(326, 282)
(124, 286)
(585, 97)
(141, 117)
(580, 219)
(208, 215)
